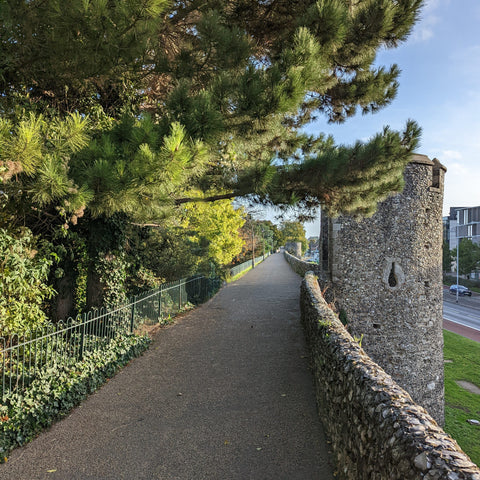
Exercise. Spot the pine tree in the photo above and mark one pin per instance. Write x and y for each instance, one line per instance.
(290, 62)
(242, 77)
(77, 55)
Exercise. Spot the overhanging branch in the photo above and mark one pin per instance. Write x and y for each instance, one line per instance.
(213, 198)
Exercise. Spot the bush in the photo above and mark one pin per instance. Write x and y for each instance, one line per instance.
(452, 280)
(24, 270)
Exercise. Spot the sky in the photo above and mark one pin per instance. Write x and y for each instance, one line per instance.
(440, 89)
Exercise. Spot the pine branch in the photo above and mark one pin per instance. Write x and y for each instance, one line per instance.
(212, 198)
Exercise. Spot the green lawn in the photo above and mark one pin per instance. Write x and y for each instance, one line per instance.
(460, 404)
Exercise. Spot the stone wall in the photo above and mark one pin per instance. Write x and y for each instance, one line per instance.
(386, 275)
(298, 265)
(294, 248)
(376, 430)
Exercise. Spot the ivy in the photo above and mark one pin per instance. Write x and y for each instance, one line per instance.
(58, 389)
(112, 271)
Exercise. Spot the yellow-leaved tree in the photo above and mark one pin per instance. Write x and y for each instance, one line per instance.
(213, 228)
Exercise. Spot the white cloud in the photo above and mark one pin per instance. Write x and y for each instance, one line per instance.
(424, 29)
(462, 178)
(461, 187)
(422, 33)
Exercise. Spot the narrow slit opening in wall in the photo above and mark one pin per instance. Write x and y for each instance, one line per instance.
(392, 278)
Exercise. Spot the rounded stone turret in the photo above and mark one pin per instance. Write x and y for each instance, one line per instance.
(386, 274)
(294, 248)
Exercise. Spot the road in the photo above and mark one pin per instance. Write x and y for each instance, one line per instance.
(466, 313)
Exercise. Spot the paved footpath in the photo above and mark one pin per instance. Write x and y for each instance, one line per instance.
(225, 393)
(462, 330)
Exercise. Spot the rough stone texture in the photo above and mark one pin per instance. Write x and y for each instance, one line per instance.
(299, 266)
(295, 248)
(376, 430)
(386, 277)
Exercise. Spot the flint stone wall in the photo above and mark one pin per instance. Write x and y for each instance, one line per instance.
(385, 273)
(299, 266)
(294, 248)
(376, 430)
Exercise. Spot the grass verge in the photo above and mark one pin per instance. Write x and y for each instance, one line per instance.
(238, 275)
(462, 357)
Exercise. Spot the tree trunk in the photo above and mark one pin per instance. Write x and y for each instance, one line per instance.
(95, 287)
(63, 305)
(105, 236)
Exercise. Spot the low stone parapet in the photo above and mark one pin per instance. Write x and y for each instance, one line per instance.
(376, 430)
(298, 265)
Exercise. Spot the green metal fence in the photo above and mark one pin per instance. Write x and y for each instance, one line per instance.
(246, 265)
(22, 358)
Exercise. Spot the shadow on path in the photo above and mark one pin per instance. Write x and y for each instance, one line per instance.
(225, 393)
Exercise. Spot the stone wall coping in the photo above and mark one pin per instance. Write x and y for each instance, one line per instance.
(421, 159)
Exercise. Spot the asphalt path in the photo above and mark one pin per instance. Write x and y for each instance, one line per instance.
(225, 393)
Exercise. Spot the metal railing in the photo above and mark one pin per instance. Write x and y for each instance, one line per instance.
(22, 358)
(246, 265)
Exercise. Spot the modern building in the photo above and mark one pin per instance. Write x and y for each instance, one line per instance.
(468, 220)
(462, 222)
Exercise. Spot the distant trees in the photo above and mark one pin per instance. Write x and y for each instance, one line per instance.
(255, 238)
(447, 258)
(213, 230)
(469, 256)
(313, 243)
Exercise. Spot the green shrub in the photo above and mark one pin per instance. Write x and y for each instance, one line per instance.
(452, 280)
(24, 270)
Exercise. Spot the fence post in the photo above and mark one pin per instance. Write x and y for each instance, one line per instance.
(180, 295)
(82, 335)
(3, 360)
(160, 304)
(132, 315)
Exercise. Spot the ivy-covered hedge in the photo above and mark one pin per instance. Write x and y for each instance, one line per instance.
(59, 388)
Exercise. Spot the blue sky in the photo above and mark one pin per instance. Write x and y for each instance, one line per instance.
(440, 89)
